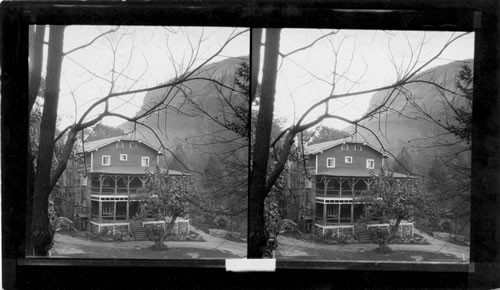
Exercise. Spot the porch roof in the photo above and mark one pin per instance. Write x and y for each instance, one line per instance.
(134, 170)
(358, 172)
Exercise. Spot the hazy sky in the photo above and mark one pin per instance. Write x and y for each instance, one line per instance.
(141, 56)
(364, 59)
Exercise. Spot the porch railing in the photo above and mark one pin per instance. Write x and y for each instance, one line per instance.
(333, 220)
(108, 219)
(110, 190)
(343, 193)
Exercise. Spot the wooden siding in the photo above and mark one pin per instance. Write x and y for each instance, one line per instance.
(134, 156)
(358, 158)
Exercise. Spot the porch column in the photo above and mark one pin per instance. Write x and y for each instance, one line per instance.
(341, 181)
(101, 180)
(353, 184)
(115, 179)
(325, 189)
(114, 211)
(324, 213)
(99, 217)
(339, 213)
(128, 180)
(352, 212)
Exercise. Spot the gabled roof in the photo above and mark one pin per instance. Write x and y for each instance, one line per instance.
(95, 145)
(320, 147)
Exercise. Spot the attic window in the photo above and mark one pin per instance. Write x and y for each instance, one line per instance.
(357, 148)
(133, 144)
(344, 147)
(119, 144)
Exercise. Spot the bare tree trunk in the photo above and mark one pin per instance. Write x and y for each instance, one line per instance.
(41, 231)
(160, 243)
(257, 238)
(36, 61)
(384, 246)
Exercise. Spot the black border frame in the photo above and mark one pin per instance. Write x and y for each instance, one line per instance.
(478, 16)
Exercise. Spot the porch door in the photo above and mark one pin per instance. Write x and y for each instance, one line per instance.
(358, 211)
(345, 213)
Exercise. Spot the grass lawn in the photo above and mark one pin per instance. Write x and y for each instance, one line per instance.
(142, 253)
(371, 255)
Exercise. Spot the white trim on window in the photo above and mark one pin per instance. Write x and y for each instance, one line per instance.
(344, 147)
(370, 163)
(358, 148)
(348, 159)
(107, 208)
(123, 157)
(144, 161)
(106, 160)
(330, 162)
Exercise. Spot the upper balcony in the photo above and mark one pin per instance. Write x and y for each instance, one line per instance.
(111, 190)
(354, 193)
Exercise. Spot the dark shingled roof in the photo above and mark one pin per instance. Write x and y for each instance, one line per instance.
(320, 147)
(358, 172)
(94, 145)
(137, 170)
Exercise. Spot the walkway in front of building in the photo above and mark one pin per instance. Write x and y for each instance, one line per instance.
(288, 246)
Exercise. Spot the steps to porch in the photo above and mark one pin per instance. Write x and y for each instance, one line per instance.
(362, 233)
(138, 231)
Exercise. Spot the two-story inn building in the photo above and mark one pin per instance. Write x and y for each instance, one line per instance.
(114, 174)
(339, 174)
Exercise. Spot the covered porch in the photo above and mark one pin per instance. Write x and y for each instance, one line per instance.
(113, 209)
(118, 184)
(342, 186)
(337, 211)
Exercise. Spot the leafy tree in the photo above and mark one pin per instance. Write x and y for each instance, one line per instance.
(169, 198)
(450, 172)
(391, 201)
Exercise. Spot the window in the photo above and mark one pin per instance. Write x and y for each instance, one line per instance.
(348, 159)
(123, 157)
(133, 145)
(119, 144)
(106, 160)
(107, 208)
(357, 148)
(370, 163)
(344, 147)
(330, 162)
(145, 161)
